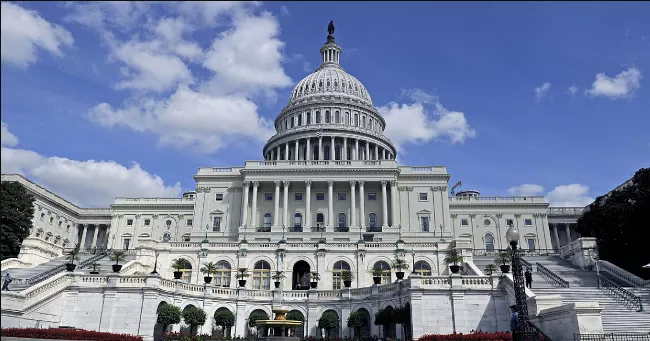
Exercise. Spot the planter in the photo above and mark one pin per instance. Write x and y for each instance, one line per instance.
(117, 267)
(505, 268)
(207, 279)
(454, 268)
(376, 280)
(313, 285)
(70, 266)
(242, 283)
(277, 284)
(399, 274)
(178, 274)
(347, 284)
(94, 272)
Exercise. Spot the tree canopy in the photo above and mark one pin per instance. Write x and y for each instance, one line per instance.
(194, 317)
(168, 314)
(224, 318)
(328, 321)
(16, 213)
(618, 221)
(257, 314)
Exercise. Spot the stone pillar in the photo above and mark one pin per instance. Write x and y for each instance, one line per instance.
(84, 232)
(276, 200)
(393, 203)
(332, 149)
(307, 204)
(244, 218)
(286, 203)
(353, 199)
(295, 157)
(344, 152)
(308, 154)
(384, 154)
(376, 152)
(362, 204)
(254, 208)
(95, 233)
(286, 151)
(384, 204)
(556, 237)
(320, 148)
(330, 204)
(568, 233)
(356, 149)
(277, 153)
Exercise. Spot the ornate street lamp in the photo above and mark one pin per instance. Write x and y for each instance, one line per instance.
(155, 264)
(523, 329)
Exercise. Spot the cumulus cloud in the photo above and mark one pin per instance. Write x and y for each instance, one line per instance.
(423, 120)
(542, 90)
(526, 190)
(572, 90)
(88, 183)
(6, 137)
(619, 86)
(23, 32)
(572, 195)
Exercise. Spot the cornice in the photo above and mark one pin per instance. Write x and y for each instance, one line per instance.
(497, 205)
(322, 171)
(152, 205)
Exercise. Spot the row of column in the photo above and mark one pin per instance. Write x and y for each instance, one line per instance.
(556, 236)
(84, 228)
(297, 150)
(330, 204)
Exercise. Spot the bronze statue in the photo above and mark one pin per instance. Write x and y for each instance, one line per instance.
(330, 28)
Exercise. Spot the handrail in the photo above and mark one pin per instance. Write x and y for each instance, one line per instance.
(551, 277)
(621, 293)
(49, 273)
(526, 264)
(622, 274)
(532, 325)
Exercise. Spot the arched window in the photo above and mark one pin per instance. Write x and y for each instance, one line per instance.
(293, 122)
(222, 277)
(363, 122)
(372, 222)
(326, 152)
(349, 154)
(343, 227)
(268, 220)
(337, 117)
(422, 268)
(489, 242)
(299, 120)
(262, 275)
(308, 118)
(385, 271)
(337, 152)
(347, 118)
(186, 270)
(337, 271)
(297, 223)
(327, 117)
(316, 156)
(356, 120)
(318, 117)
(320, 220)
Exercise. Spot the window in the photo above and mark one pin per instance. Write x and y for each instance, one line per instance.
(297, 197)
(342, 223)
(67, 228)
(528, 222)
(341, 196)
(372, 196)
(216, 224)
(59, 226)
(424, 221)
(337, 273)
(308, 118)
(267, 221)
(423, 197)
(509, 222)
(337, 117)
(262, 275)
(187, 271)
(422, 268)
(189, 222)
(268, 196)
(372, 222)
(464, 222)
(51, 220)
(320, 196)
(168, 223)
(42, 216)
(129, 222)
(125, 244)
(486, 222)
(219, 196)
(186, 238)
(385, 271)
(489, 242)
(318, 117)
(327, 117)
(326, 153)
(147, 222)
(531, 244)
(222, 277)
(320, 220)
(297, 222)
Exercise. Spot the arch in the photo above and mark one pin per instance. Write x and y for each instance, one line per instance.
(298, 331)
(385, 271)
(187, 271)
(422, 268)
(390, 330)
(159, 329)
(223, 274)
(218, 329)
(268, 220)
(335, 331)
(489, 242)
(264, 311)
(299, 120)
(300, 276)
(186, 329)
(297, 222)
(363, 332)
(262, 275)
(337, 273)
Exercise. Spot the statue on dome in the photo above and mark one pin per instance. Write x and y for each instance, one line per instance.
(330, 28)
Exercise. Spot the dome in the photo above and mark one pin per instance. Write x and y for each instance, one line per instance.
(331, 79)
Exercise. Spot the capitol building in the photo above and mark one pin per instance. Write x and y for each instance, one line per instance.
(326, 196)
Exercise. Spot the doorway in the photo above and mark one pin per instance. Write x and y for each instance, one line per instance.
(301, 272)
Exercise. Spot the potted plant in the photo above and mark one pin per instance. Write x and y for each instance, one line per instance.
(178, 265)
(490, 268)
(503, 258)
(376, 275)
(117, 256)
(277, 277)
(347, 277)
(454, 257)
(73, 255)
(209, 269)
(96, 266)
(242, 274)
(315, 277)
(399, 265)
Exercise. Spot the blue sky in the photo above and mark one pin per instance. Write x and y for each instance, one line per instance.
(128, 99)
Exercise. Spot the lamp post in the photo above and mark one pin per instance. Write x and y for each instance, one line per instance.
(413, 255)
(523, 329)
(155, 264)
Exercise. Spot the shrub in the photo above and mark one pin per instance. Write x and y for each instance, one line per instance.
(168, 314)
(194, 317)
(224, 318)
(473, 336)
(67, 334)
(199, 337)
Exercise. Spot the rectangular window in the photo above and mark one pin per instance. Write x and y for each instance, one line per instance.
(129, 222)
(189, 222)
(268, 196)
(528, 222)
(531, 244)
(425, 224)
(509, 222)
(216, 224)
(147, 222)
(423, 197)
(127, 241)
(342, 196)
(464, 222)
(320, 196)
(297, 197)
(219, 196)
(372, 196)
(186, 238)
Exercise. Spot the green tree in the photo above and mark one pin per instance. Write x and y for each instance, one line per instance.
(194, 317)
(225, 319)
(295, 315)
(357, 320)
(168, 315)
(16, 213)
(618, 221)
(257, 315)
(328, 321)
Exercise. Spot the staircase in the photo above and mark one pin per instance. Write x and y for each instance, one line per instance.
(105, 265)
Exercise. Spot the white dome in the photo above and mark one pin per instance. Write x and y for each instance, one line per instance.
(331, 79)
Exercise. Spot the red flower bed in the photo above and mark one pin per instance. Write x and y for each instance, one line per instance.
(67, 334)
(476, 336)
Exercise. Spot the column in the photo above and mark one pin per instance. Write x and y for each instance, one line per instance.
(376, 152)
(393, 203)
(353, 212)
(362, 204)
(320, 148)
(384, 154)
(95, 233)
(296, 152)
(384, 204)
(330, 203)
(82, 242)
(568, 233)
(332, 149)
(308, 154)
(254, 209)
(307, 204)
(356, 149)
(367, 150)
(555, 236)
(276, 199)
(286, 151)
(244, 218)
(277, 153)
(286, 203)
(344, 152)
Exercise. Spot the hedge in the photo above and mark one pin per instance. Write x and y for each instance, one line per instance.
(475, 336)
(175, 336)
(66, 334)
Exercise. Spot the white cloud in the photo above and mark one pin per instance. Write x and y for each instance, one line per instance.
(285, 11)
(87, 183)
(413, 123)
(6, 137)
(576, 195)
(572, 90)
(619, 86)
(22, 31)
(542, 90)
(526, 190)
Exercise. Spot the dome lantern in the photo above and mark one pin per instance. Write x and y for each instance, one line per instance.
(330, 52)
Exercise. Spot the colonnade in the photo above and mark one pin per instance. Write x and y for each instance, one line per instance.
(328, 148)
(556, 237)
(94, 241)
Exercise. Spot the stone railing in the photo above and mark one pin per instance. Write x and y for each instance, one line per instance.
(14, 263)
(565, 211)
(622, 274)
(320, 164)
(521, 200)
(582, 252)
(133, 267)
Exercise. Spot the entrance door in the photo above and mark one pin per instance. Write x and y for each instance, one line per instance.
(301, 276)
